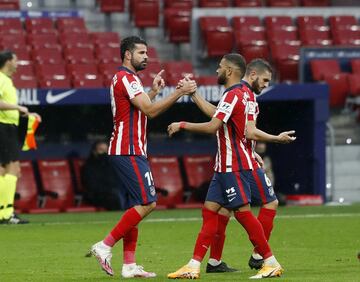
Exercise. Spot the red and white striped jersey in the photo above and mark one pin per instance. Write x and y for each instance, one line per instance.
(129, 132)
(232, 154)
(252, 112)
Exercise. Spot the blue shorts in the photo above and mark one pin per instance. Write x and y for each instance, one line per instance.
(231, 189)
(262, 191)
(135, 175)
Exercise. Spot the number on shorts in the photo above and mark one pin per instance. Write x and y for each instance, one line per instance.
(149, 178)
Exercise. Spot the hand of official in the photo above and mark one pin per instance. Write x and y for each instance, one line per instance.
(173, 128)
(23, 110)
(37, 116)
(285, 137)
(158, 83)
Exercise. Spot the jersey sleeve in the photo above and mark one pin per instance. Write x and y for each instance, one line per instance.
(251, 107)
(226, 106)
(132, 85)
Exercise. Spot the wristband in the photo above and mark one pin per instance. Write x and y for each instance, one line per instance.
(182, 124)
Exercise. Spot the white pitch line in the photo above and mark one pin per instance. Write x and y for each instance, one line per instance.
(184, 219)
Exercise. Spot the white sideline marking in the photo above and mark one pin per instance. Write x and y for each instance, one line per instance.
(182, 219)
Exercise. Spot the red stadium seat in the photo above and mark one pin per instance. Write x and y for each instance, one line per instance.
(167, 177)
(214, 3)
(310, 22)
(146, 13)
(11, 26)
(282, 35)
(96, 82)
(329, 70)
(43, 40)
(175, 70)
(12, 41)
(39, 25)
(215, 30)
(108, 69)
(315, 3)
(51, 71)
(281, 3)
(152, 54)
(278, 22)
(286, 59)
(74, 39)
(88, 71)
(56, 183)
(25, 77)
(252, 44)
(179, 4)
(108, 55)
(177, 25)
(23, 57)
(26, 188)
(147, 75)
(251, 23)
(54, 83)
(198, 170)
(247, 3)
(78, 55)
(346, 37)
(47, 56)
(71, 24)
(207, 80)
(9, 5)
(106, 39)
(355, 66)
(316, 37)
(342, 22)
(112, 6)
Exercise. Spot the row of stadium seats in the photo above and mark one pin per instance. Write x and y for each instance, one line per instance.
(59, 188)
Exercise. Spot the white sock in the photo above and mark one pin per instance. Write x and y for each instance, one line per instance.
(130, 265)
(214, 262)
(104, 246)
(257, 256)
(193, 263)
(271, 261)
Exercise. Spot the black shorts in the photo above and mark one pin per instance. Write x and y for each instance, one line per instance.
(9, 143)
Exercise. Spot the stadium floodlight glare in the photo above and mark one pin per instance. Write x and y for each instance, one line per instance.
(29, 4)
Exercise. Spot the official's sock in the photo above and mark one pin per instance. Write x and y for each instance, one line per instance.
(217, 245)
(9, 181)
(266, 218)
(130, 219)
(255, 232)
(129, 246)
(206, 235)
(2, 196)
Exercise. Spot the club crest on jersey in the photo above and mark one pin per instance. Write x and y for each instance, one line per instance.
(225, 108)
(245, 98)
(135, 86)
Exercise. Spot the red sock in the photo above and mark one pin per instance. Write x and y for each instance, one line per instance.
(217, 245)
(255, 231)
(266, 218)
(129, 246)
(206, 235)
(130, 219)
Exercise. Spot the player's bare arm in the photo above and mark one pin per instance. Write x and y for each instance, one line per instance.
(256, 134)
(157, 85)
(152, 110)
(206, 107)
(209, 127)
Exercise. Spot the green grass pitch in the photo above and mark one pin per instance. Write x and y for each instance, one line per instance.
(311, 243)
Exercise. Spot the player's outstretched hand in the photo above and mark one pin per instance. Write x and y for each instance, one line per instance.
(173, 128)
(158, 82)
(286, 137)
(188, 87)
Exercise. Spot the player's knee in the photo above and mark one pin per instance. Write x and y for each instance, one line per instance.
(272, 205)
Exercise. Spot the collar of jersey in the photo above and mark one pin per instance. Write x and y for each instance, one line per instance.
(126, 69)
(237, 85)
(243, 82)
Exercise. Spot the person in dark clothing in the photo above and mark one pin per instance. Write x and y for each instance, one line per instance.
(97, 176)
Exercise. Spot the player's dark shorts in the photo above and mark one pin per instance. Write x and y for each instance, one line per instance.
(262, 191)
(234, 189)
(135, 176)
(9, 143)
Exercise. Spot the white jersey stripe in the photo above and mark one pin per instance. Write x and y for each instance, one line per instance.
(246, 155)
(140, 136)
(118, 141)
(218, 155)
(228, 156)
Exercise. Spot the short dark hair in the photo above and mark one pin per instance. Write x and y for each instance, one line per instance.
(259, 65)
(128, 44)
(237, 60)
(5, 56)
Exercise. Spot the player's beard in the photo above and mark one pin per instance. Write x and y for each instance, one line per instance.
(221, 80)
(138, 66)
(256, 87)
